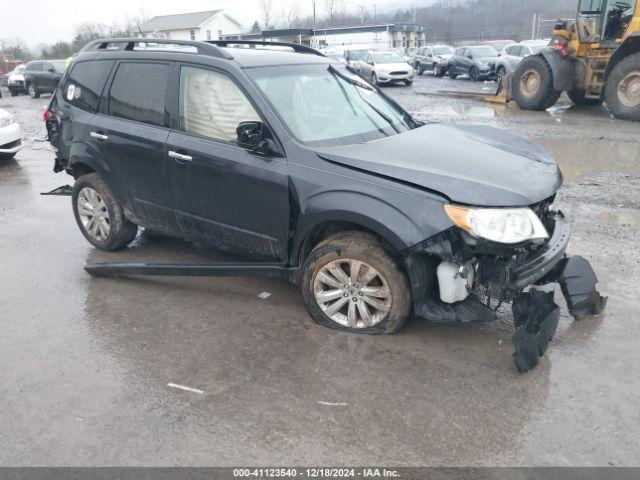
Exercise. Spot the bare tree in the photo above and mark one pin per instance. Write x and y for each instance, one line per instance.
(267, 10)
(291, 10)
(334, 9)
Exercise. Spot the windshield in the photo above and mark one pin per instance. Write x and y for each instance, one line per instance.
(484, 51)
(59, 65)
(327, 105)
(357, 54)
(443, 51)
(387, 57)
(18, 71)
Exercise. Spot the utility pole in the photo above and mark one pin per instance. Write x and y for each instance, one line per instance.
(534, 26)
(314, 22)
(375, 22)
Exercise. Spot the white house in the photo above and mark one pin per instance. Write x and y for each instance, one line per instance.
(209, 25)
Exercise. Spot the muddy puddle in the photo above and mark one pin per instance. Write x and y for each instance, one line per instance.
(580, 159)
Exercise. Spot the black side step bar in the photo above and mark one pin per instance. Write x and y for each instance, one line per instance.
(216, 269)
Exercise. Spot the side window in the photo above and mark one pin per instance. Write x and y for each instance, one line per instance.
(85, 83)
(427, 52)
(36, 67)
(138, 92)
(212, 105)
(517, 51)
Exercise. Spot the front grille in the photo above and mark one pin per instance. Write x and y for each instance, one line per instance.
(15, 144)
(399, 73)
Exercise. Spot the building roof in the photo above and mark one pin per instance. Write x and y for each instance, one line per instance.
(180, 21)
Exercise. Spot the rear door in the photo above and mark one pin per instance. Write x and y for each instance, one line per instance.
(224, 194)
(130, 132)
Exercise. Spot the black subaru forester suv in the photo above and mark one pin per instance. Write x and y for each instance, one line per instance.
(288, 158)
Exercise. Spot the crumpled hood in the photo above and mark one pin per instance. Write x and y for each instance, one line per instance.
(469, 164)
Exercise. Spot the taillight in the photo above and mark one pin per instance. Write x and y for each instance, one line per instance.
(46, 115)
(561, 48)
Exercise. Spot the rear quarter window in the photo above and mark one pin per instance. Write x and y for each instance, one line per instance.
(138, 93)
(85, 83)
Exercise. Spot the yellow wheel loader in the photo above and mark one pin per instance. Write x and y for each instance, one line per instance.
(594, 58)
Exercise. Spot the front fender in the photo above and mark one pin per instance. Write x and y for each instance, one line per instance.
(361, 209)
(564, 70)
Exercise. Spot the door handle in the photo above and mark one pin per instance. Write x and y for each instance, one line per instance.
(179, 156)
(99, 136)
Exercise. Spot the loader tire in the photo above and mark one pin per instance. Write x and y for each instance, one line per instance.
(622, 90)
(533, 84)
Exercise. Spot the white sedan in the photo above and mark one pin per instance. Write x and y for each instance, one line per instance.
(10, 135)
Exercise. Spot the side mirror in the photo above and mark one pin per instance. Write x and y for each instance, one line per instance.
(51, 70)
(251, 135)
(370, 62)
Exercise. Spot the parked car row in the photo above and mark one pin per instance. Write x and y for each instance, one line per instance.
(489, 60)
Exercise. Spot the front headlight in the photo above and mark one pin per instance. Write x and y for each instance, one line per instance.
(6, 121)
(501, 225)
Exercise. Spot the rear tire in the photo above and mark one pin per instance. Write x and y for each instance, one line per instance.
(533, 84)
(501, 73)
(419, 70)
(385, 297)
(577, 96)
(13, 93)
(100, 217)
(33, 91)
(408, 83)
(622, 91)
(7, 156)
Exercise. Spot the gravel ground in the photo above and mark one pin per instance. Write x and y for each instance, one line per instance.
(86, 362)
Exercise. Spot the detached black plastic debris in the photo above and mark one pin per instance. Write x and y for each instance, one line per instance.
(578, 282)
(64, 191)
(536, 317)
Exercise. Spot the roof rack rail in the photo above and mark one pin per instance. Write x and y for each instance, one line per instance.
(294, 46)
(129, 44)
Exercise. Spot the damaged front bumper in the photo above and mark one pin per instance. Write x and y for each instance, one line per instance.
(502, 274)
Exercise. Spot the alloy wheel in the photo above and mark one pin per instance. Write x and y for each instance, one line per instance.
(352, 293)
(93, 214)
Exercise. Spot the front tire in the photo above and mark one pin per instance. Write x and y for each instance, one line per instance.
(350, 282)
(501, 73)
(100, 217)
(473, 74)
(622, 92)
(32, 88)
(533, 84)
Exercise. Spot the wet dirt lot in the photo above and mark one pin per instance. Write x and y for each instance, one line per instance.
(85, 362)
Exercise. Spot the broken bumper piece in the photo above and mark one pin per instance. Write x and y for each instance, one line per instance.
(536, 314)
(578, 282)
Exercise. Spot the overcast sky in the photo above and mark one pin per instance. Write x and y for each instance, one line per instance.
(47, 21)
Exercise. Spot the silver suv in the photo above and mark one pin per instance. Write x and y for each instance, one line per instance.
(513, 55)
(433, 58)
